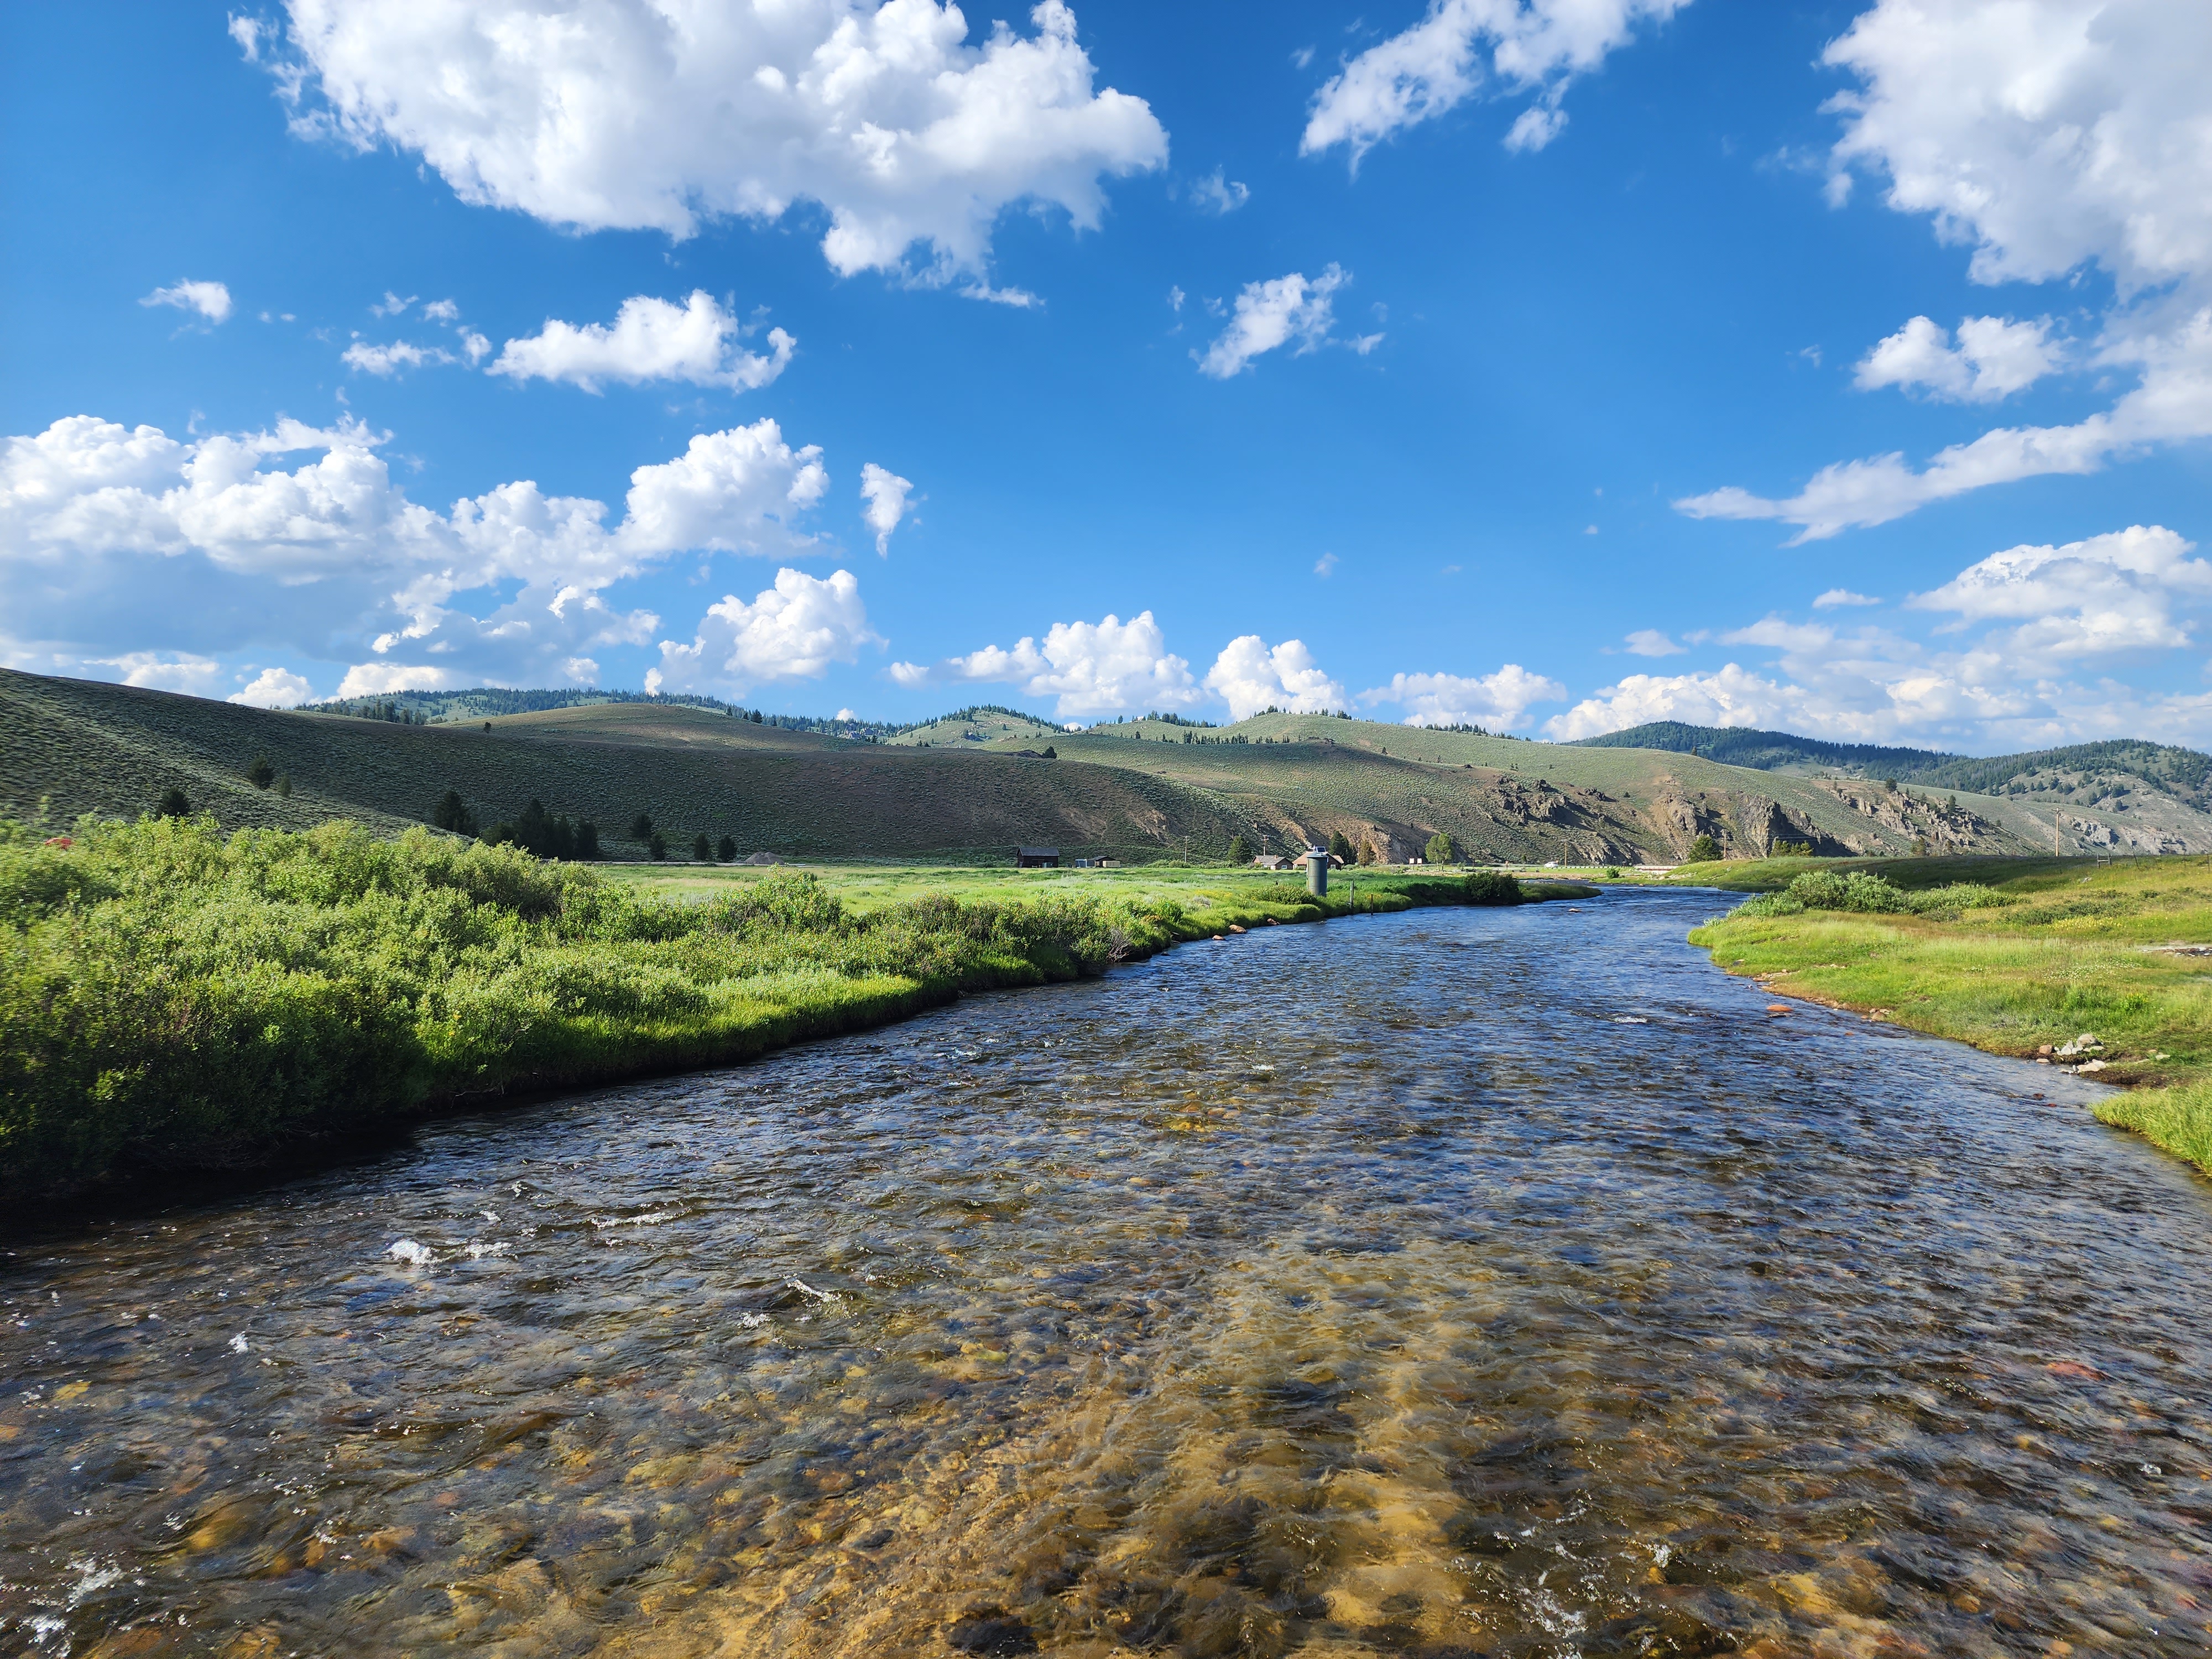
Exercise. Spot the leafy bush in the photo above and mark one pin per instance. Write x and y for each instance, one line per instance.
(1829, 889)
(1440, 849)
(170, 995)
(1492, 887)
(1702, 850)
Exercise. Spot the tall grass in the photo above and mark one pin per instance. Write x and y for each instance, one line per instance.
(169, 994)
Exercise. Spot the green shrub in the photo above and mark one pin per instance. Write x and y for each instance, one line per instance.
(1440, 849)
(261, 772)
(1702, 850)
(1492, 887)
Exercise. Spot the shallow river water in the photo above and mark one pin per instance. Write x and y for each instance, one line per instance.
(1447, 1283)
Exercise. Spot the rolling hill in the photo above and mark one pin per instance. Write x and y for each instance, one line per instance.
(971, 786)
(1769, 751)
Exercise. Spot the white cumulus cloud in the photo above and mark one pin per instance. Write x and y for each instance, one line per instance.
(379, 679)
(2049, 137)
(2134, 590)
(1103, 667)
(1459, 48)
(1650, 643)
(1835, 596)
(1287, 311)
(2028, 653)
(1995, 357)
(885, 493)
(651, 114)
(164, 671)
(794, 630)
(650, 339)
(210, 300)
(274, 688)
(1492, 700)
(1250, 675)
(111, 537)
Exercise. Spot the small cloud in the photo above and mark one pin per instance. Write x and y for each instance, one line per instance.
(386, 361)
(393, 305)
(1175, 297)
(1216, 194)
(1811, 354)
(1301, 57)
(1450, 570)
(1326, 565)
(847, 715)
(210, 300)
(275, 687)
(1020, 298)
(1289, 310)
(1589, 530)
(885, 493)
(1650, 643)
(442, 311)
(1835, 596)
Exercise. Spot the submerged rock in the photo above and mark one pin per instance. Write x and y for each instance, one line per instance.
(990, 1630)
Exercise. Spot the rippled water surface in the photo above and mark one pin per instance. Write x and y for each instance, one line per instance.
(1452, 1283)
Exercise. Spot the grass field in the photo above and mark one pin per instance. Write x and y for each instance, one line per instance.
(2018, 961)
(173, 996)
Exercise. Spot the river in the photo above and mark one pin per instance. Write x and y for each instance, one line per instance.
(1454, 1283)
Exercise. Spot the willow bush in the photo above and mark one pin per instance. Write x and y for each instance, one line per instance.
(171, 995)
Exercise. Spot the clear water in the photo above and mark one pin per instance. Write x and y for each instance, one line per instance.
(1344, 1289)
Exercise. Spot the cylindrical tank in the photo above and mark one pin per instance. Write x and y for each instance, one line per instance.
(1318, 871)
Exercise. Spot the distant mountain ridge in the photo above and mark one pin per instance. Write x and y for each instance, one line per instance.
(1768, 751)
(2094, 771)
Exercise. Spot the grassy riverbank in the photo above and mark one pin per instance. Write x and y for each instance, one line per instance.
(2013, 963)
(173, 996)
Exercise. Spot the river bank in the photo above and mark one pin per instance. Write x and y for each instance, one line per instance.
(2118, 953)
(172, 997)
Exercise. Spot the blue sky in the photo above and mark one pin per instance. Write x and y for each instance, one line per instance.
(1474, 362)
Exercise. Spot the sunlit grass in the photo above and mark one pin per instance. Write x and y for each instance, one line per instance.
(2077, 947)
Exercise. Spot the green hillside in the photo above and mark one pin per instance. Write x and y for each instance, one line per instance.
(90, 747)
(971, 786)
(1767, 751)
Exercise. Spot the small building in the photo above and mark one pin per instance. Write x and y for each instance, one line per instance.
(1036, 858)
(1271, 861)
